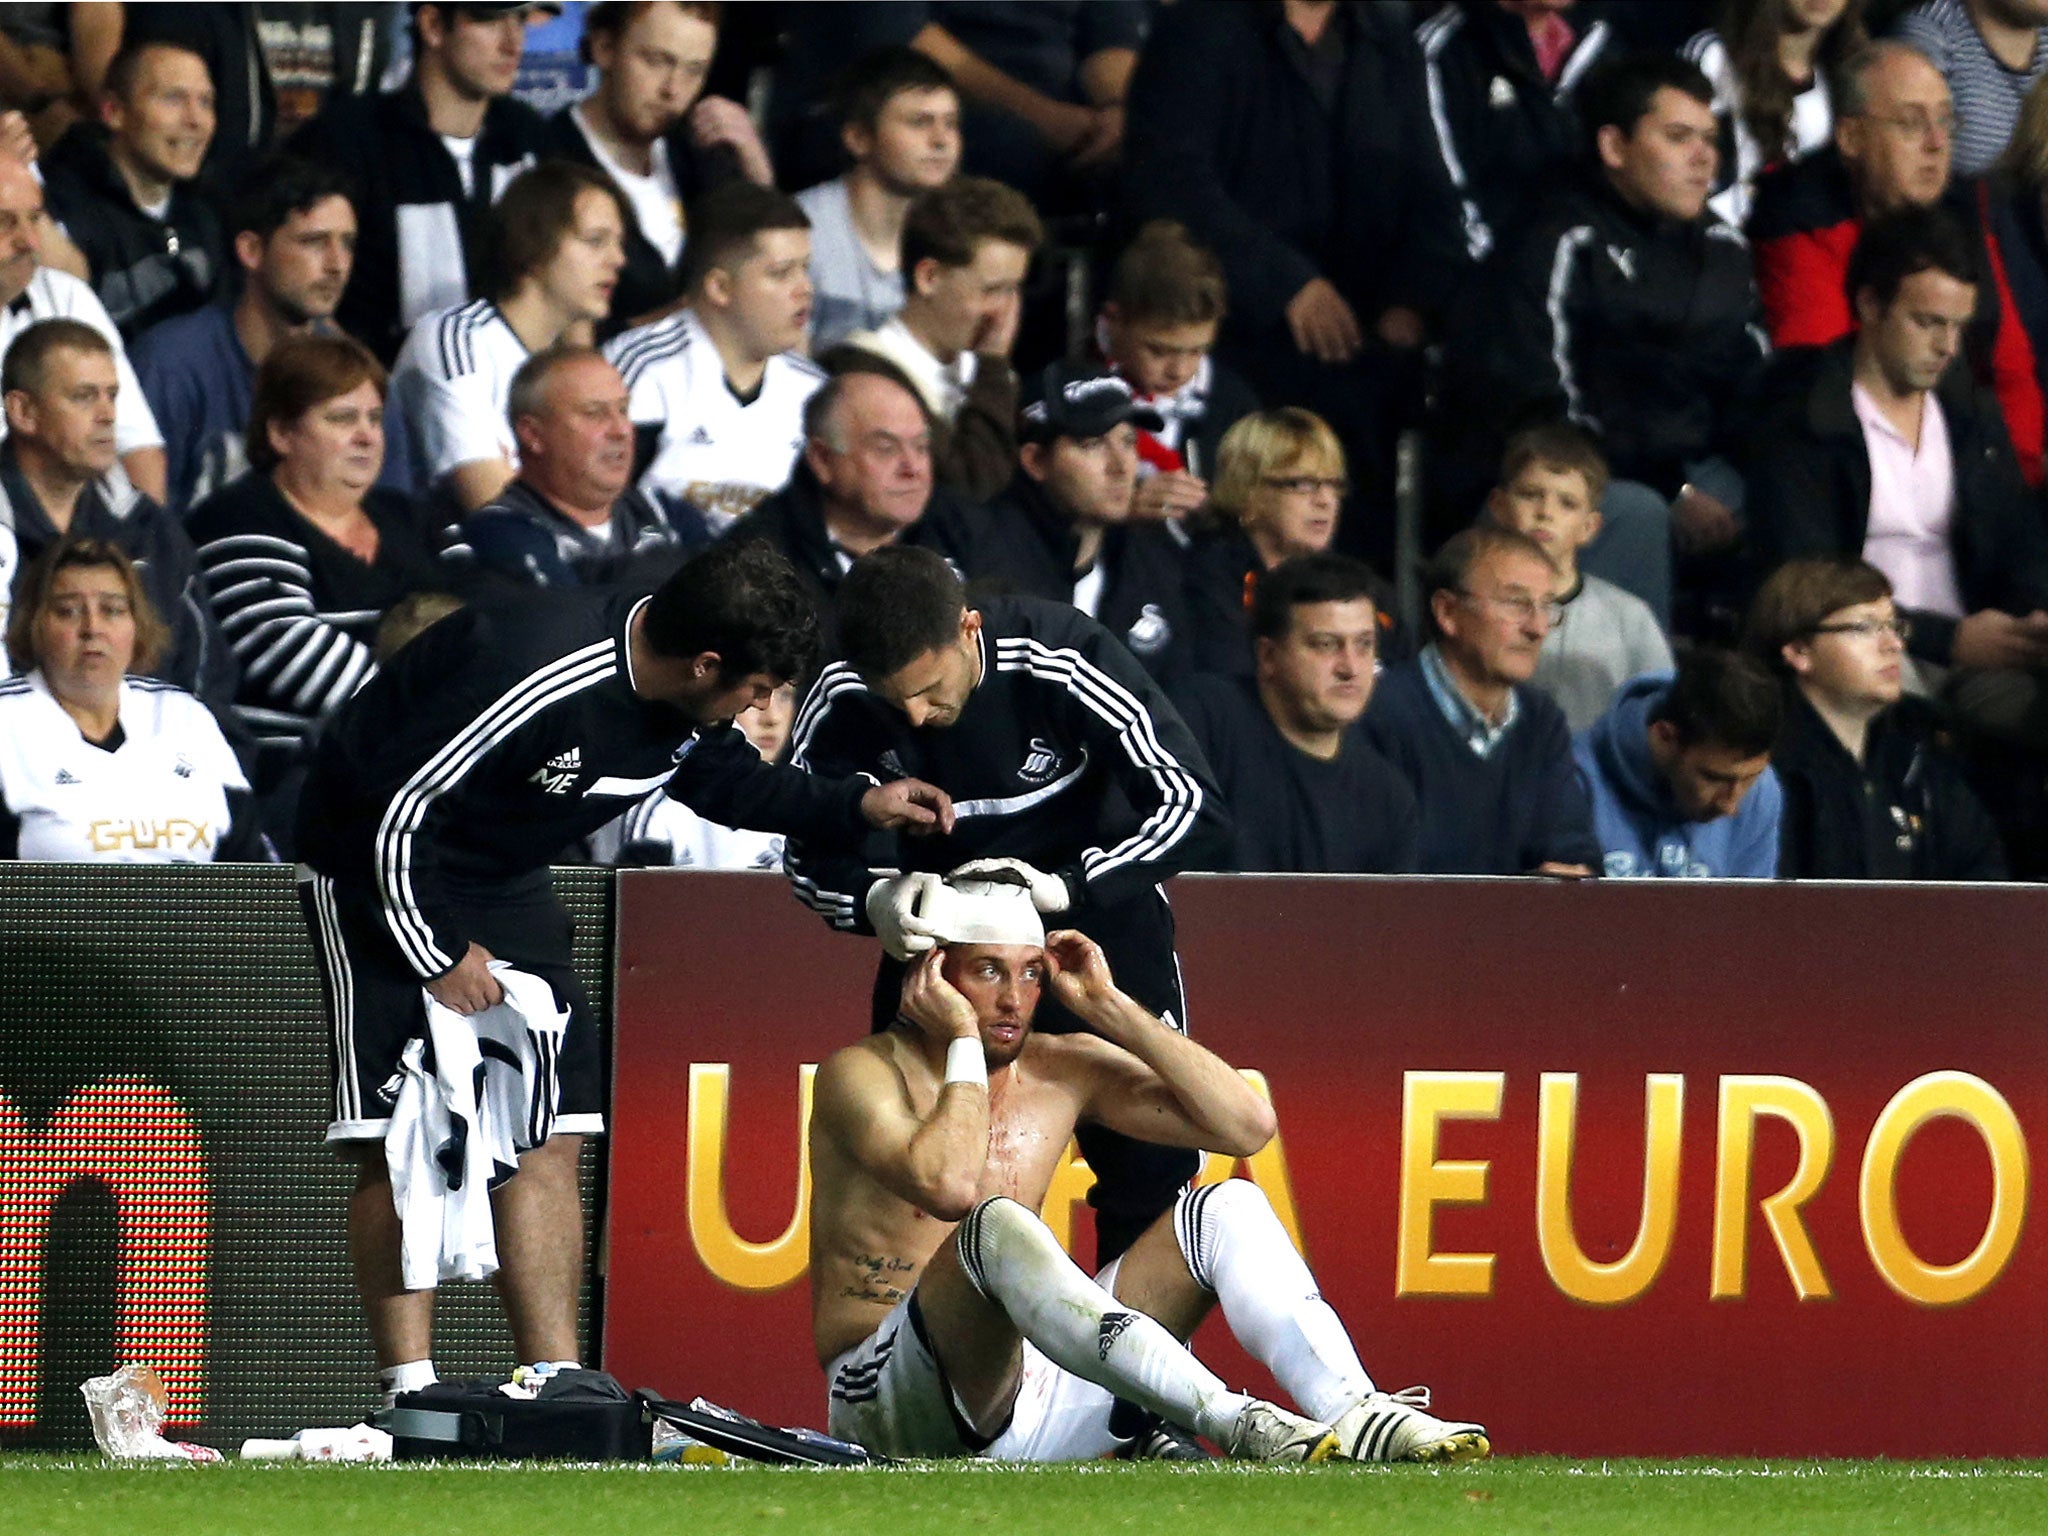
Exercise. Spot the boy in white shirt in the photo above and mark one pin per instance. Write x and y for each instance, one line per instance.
(720, 385)
(557, 246)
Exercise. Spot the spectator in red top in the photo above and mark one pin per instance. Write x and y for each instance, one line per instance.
(1894, 133)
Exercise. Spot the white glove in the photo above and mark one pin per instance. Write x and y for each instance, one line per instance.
(1049, 893)
(893, 906)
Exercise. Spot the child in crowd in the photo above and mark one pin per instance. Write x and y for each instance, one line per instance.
(1167, 299)
(1552, 477)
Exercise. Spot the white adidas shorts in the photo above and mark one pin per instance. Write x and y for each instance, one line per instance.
(890, 1394)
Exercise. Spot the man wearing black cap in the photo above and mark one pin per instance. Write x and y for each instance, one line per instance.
(1063, 529)
(429, 159)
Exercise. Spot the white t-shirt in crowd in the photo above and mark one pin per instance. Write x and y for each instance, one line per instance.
(717, 452)
(657, 204)
(463, 152)
(159, 798)
(451, 382)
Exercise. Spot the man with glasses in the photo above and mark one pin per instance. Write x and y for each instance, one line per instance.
(1877, 448)
(1488, 757)
(1871, 793)
(1680, 772)
(1894, 137)
(1991, 52)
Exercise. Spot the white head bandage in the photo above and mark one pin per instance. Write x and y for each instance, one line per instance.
(984, 912)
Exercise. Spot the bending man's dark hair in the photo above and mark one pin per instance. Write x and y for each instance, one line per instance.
(743, 601)
(896, 604)
(1722, 698)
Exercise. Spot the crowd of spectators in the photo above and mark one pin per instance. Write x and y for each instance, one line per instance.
(1709, 338)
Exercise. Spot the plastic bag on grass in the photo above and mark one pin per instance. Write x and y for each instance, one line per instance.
(127, 1410)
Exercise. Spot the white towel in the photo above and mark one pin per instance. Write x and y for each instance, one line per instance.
(478, 1090)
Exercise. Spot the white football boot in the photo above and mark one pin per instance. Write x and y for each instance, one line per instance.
(1266, 1433)
(1391, 1426)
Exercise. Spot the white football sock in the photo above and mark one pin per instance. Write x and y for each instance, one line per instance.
(1235, 1246)
(1012, 1259)
(407, 1377)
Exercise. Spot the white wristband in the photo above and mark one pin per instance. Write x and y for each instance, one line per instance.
(966, 1063)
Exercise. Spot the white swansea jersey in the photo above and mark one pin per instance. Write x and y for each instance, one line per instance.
(161, 797)
(716, 452)
(451, 383)
(53, 295)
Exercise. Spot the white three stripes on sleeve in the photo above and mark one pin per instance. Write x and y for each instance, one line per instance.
(444, 770)
(1180, 791)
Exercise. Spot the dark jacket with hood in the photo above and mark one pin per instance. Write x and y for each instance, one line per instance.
(1503, 132)
(417, 227)
(1228, 134)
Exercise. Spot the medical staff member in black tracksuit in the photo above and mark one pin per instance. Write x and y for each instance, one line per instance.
(436, 798)
(1064, 761)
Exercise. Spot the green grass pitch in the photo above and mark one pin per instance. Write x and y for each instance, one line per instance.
(53, 1496)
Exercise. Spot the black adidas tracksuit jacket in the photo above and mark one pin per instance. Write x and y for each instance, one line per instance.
(501, 735)
(1067, 755)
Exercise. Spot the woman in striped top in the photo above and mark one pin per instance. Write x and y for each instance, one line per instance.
(302, 556)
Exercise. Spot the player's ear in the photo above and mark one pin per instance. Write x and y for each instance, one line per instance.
(970, 623)
(705, 664)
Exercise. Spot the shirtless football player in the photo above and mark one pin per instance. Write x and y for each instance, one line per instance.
(947, 1317)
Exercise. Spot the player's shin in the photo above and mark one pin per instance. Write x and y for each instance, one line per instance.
(1235, 1246)
(1014, 1261)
